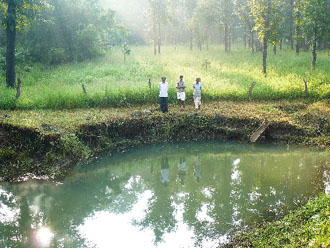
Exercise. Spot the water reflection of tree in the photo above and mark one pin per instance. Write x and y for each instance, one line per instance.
(273, 188)
(260, 188)
(63, 208)
(160, 212)
(216, 198)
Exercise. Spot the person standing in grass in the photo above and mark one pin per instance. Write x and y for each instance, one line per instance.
(181, 95)
(197, 94)
(163, 95)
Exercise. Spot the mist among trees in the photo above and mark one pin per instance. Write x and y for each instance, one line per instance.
(60, 31)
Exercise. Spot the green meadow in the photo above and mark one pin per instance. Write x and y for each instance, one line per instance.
(111, 82)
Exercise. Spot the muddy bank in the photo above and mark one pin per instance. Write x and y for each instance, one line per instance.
(51, 152)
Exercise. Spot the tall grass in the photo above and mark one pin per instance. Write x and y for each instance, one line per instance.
(112, 82)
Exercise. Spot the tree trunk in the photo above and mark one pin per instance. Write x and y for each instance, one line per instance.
(207, 43)
(306, 44)
(265, 38)
(220, 36)
(275, 49)
(18, 89)
(159, 38)
(191, 40)
(281, 44)
(252, 42)
(291, 19)
(298, 34)
(245, 37)
(258, 46)
(155, 40)
(230, 39)
(226, 37)
(264, 55)
(314, 50)
(11, 43)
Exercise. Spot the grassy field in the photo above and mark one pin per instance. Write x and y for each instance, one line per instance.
(111, 82)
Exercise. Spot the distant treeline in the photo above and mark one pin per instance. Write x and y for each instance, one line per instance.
(298, 23)
(63, 31)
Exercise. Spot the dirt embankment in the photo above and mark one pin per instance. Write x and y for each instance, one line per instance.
(51, 143)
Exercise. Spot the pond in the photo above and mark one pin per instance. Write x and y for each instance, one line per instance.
(175, 195)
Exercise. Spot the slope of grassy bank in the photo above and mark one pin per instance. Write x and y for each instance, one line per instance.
(111, 82)
(47, 142)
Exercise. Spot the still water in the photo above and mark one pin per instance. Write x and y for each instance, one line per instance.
(179, 195)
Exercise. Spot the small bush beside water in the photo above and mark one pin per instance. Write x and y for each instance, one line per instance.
(110, 81)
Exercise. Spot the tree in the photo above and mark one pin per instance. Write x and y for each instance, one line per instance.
(16, 13)
(158, 12)
(227, 19)
(190, 6)
(266, 20)
(298, 8)
(72, 31)
(291, 20)
(202, 20)
(245, 15)
(316, 23)
(126, 51)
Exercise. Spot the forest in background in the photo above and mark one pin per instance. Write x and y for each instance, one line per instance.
(61, 31)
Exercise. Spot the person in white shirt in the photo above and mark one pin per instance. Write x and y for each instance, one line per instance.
(163, 95)
(181, 94)
(197, 94)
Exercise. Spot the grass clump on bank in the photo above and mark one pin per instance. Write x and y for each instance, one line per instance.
(308, 226)
(111, 82)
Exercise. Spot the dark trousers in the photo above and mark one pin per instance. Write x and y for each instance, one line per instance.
(164, 104)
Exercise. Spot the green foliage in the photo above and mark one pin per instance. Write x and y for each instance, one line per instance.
(125, 50)
(305, 227)
(316, 20)
(266, 18)
(71, 31)
(71, 146)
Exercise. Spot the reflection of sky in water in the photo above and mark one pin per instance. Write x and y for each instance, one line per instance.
(104, 228)
(7, 214)
(43, 237)
(126, 202)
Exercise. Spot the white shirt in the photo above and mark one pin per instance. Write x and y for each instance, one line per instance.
(165, 175)
(163, 89)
